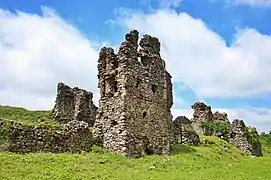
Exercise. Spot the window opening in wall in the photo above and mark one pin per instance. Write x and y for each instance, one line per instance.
(114, 86)
(154, 88)
(149, 151)
(114, 122)
(144, 114)
(137, 82)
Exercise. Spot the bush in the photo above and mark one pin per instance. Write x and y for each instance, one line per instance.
(216, 127)
(252, 137)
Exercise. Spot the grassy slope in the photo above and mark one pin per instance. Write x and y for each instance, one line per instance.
(24, 116)
(210, 162)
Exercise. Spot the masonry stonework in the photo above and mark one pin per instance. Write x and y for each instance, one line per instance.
(74, 104)
(240, 138)
(134, 116)
(202, 114)
(237, 136)
(217, 124)
(184, 132)
(74, 137)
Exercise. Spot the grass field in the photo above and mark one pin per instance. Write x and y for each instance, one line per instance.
(211, 162)
(24, 116)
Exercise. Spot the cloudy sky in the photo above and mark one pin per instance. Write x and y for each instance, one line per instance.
(218, 51)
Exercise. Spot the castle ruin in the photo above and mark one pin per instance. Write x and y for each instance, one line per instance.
(134, 116)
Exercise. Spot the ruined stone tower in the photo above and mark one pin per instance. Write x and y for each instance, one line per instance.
(134, 115)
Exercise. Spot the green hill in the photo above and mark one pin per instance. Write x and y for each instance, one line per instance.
(24, 116)
(215, 159)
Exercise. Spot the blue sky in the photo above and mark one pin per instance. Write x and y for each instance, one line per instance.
(91, 16)
(235, 28)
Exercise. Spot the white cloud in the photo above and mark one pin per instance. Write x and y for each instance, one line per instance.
(201, 59)
(256, 117)
(39, 51)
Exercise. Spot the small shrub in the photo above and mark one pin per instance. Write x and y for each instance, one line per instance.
(216, 127)
(252, 137)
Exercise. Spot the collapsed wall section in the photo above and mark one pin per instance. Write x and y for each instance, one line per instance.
(202, 115)
(245, 138)
(217, 124)
(134, 115)
(184, 132)
(74, 104)
(72, 137)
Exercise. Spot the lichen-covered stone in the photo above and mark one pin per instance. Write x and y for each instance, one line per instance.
(134, 115)
(184, 132)
(74, 104)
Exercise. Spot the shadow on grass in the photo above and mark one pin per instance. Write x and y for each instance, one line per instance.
(181, 149)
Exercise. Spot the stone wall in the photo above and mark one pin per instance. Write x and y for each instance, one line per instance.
(184, 132)
(75, 136)
(217, 124)
(74, 104)
(202, 114)
(134, 115)
(245, 139)
(221, 117)
(237, 136)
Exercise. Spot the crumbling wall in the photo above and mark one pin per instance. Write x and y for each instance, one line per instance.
(184, 132)
(217, 124)
(134, 115)
(74, 104)
(220, 126)
(202, 114)
(221, 117)
(237, 136)
(75, 136)
(245, 138)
